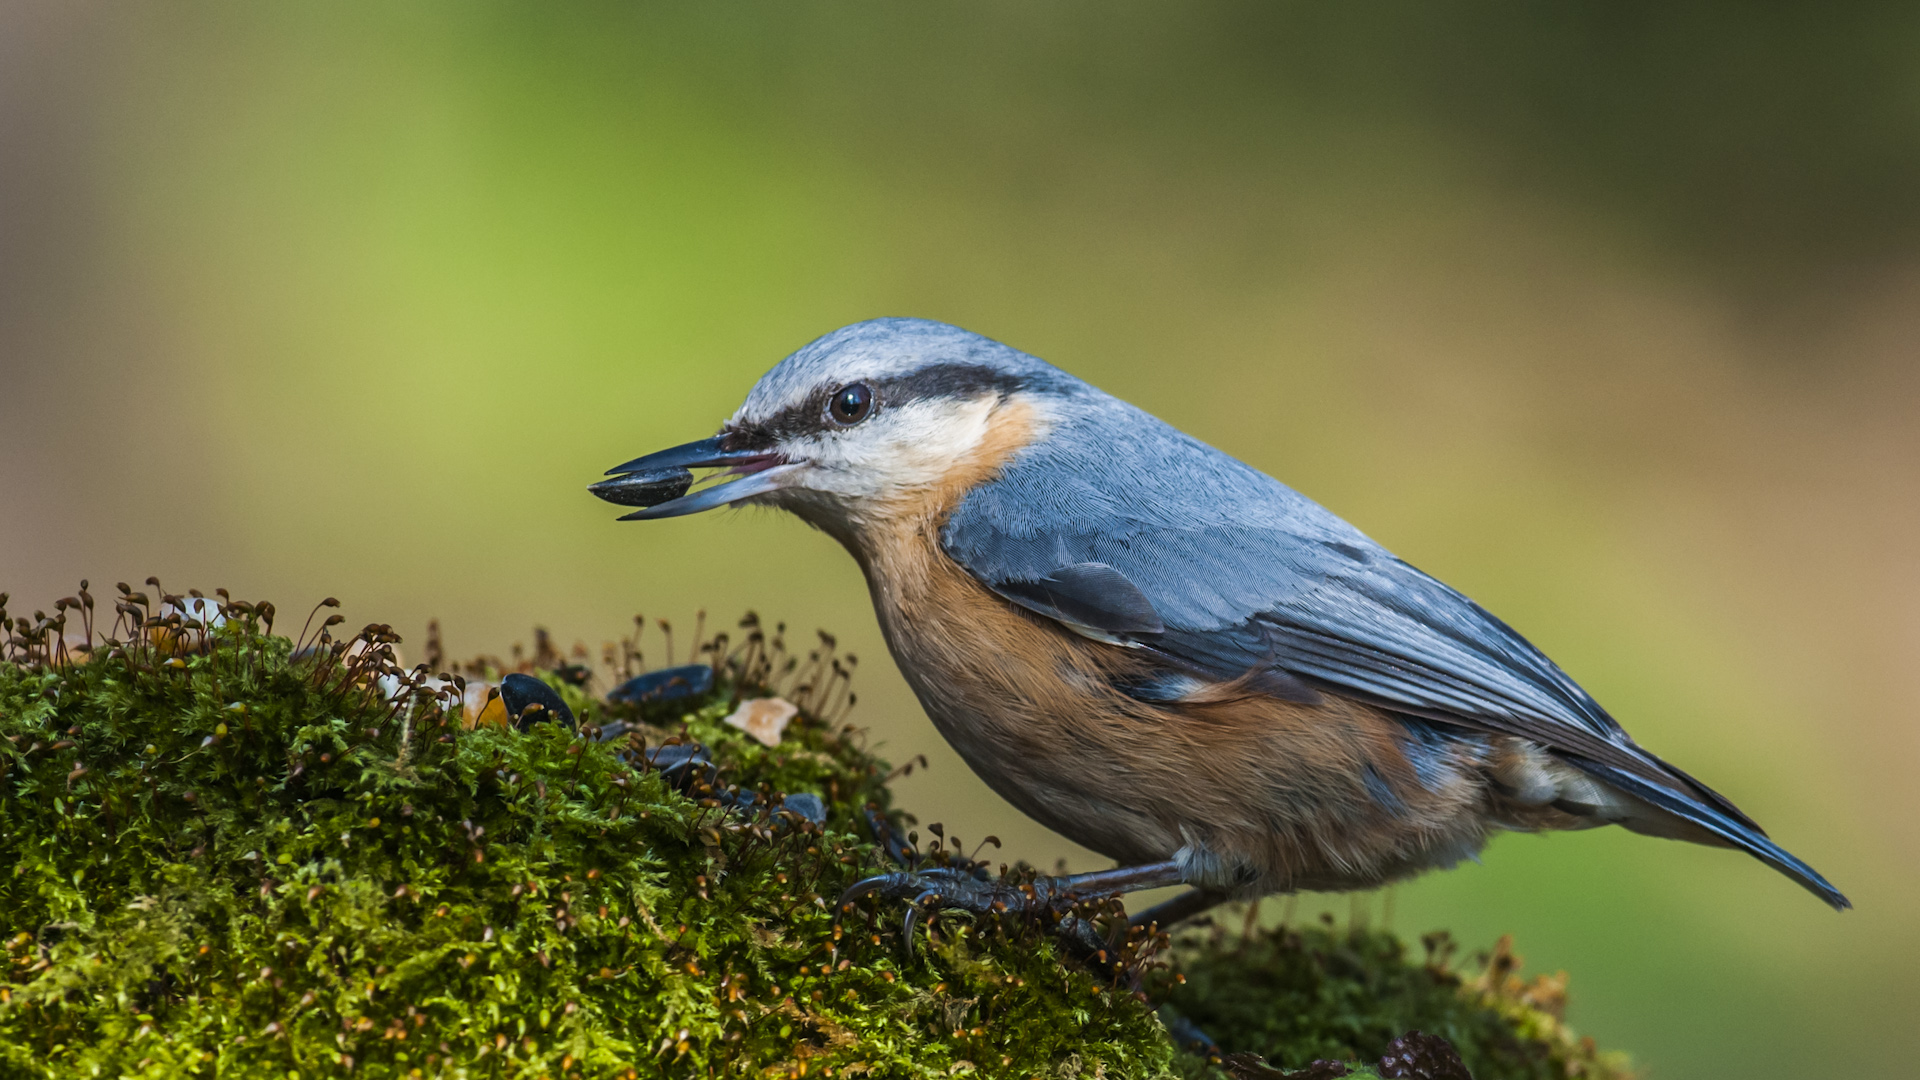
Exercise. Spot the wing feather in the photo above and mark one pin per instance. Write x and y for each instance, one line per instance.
(1248, 576)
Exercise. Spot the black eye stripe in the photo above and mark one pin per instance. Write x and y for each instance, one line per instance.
(927, 384)
(948, 381)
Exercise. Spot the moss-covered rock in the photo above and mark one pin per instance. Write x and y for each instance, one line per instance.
(228, 852)
(1344, 995)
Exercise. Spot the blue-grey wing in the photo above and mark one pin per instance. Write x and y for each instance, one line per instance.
(1246, 575)
(1121, 526)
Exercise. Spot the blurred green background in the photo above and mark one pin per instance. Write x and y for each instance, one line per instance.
(1606, 314)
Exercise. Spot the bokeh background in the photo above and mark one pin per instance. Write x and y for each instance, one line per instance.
(1605, 313)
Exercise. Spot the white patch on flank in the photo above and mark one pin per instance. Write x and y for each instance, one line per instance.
(1092, 634)
(1200, 866)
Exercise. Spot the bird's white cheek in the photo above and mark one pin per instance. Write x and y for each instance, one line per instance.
(926, 443)
(904, 451)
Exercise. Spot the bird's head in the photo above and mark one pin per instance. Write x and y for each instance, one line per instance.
(869, 422)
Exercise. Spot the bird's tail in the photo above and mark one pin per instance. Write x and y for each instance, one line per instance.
(1734, 828)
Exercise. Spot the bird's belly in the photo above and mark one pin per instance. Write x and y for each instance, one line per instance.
(1058, 770)
(1254, 793)
(1001, 688)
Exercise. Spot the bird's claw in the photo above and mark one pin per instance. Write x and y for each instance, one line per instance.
(913, 913)
(952, 888)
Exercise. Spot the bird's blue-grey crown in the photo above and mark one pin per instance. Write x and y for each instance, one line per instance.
(902, 359)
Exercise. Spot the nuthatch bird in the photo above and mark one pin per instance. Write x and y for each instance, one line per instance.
(1160, 652)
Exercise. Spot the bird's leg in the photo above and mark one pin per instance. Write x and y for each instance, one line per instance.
(1167, 913)
(970, 890)
(948, 887)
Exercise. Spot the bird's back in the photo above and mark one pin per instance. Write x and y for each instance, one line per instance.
(1247, 576)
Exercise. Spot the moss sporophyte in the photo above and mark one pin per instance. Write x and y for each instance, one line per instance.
(226, 851)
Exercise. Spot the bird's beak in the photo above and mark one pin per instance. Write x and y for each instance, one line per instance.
(659, 481)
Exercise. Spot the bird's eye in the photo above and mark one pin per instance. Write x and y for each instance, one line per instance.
(850, 404)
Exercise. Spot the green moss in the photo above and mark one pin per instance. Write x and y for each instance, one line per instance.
(1294, 996)
(223, 853)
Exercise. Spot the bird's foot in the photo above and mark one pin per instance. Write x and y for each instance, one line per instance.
(967, 889)
(928, 892)
(949, 888)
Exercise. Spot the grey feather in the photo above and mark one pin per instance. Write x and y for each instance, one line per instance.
(1250, 576)
(1086, 594)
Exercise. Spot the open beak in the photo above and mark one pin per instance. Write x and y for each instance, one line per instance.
(658, 482)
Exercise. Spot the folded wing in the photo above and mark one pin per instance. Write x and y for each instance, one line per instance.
(1244, 575)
